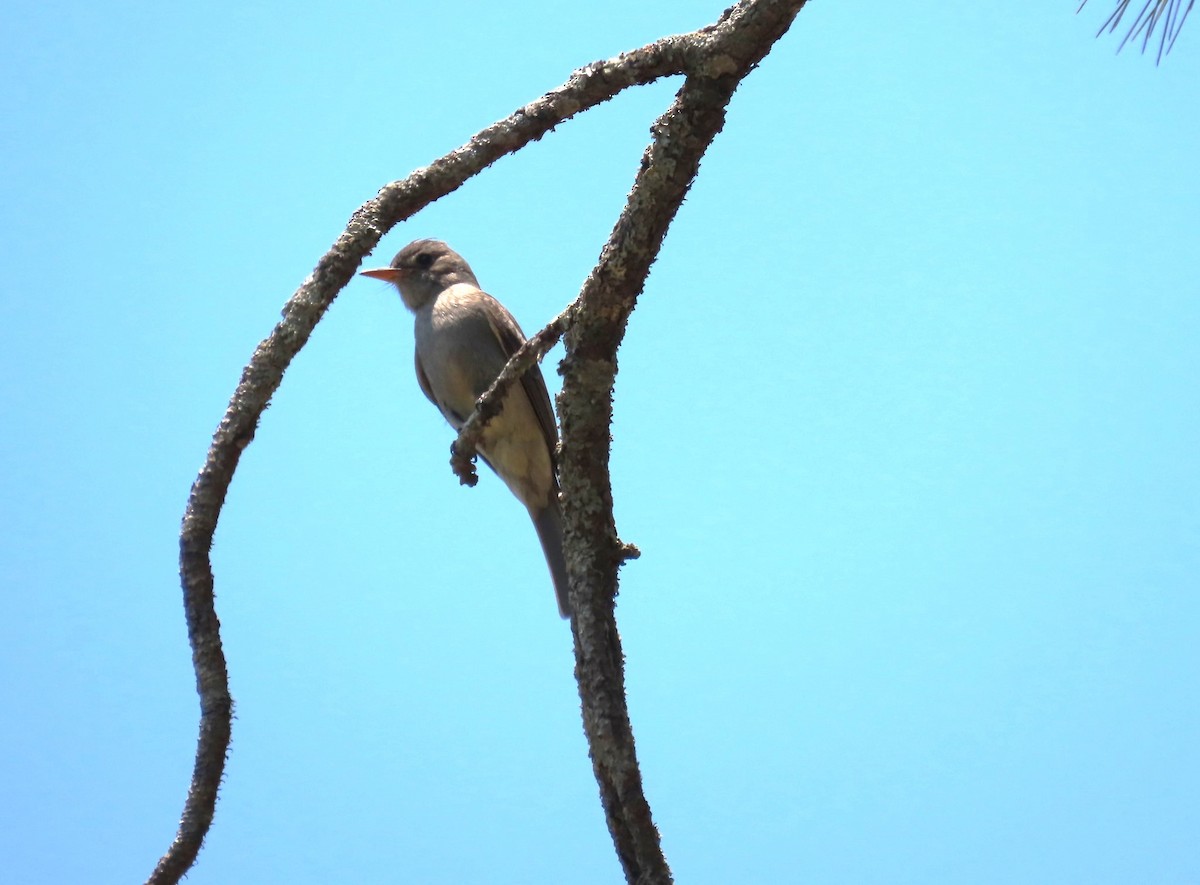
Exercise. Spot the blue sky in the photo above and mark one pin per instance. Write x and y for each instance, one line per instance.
(906, 430)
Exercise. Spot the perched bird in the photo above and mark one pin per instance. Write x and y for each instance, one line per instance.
(464, 338)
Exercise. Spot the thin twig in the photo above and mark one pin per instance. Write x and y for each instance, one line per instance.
(487, 407)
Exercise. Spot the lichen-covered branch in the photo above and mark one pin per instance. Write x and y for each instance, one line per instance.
(714, 59)
(718, 60)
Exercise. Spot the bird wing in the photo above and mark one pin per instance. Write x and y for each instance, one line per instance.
(510, 336)
(454, 419)
(423, 379)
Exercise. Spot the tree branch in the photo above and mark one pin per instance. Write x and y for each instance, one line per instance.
(715, 59)
(718, 60)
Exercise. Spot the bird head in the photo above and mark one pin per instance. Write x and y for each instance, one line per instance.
(422, 270)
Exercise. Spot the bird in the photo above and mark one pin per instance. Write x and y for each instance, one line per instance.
(464, 337)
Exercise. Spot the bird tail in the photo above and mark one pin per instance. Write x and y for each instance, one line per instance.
(548, 522)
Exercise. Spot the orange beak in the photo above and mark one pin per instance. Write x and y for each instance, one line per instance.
(387, 274)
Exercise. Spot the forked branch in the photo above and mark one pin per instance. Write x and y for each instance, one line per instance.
(713, 60)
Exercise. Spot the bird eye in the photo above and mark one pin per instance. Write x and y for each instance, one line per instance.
(424, 260)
